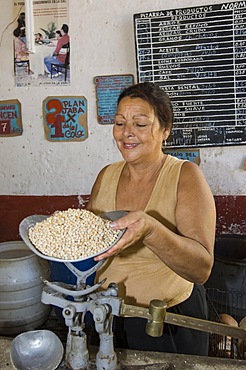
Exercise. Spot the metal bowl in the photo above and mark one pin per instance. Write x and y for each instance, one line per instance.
(30, 221)
(36, 350)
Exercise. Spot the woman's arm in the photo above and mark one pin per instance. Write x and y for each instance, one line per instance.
(190, 252)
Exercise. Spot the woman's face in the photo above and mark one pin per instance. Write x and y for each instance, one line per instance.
(137, 131)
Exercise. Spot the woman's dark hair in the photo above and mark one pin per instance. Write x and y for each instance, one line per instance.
(65, 28)
(157, 99)
(17, 32)
(22, 16)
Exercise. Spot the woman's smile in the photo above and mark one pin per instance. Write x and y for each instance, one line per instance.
(130, 145)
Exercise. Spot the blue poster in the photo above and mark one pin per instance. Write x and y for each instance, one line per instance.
(108, 89)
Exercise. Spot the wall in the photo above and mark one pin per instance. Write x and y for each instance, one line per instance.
(31, 167)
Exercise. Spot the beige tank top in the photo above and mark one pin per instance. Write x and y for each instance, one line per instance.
(139, 273)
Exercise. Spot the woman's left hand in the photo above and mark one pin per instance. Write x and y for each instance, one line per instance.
(137, 224)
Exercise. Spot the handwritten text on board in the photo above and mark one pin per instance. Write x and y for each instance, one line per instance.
(198, 55)
(108, 89)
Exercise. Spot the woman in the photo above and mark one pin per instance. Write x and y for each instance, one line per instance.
(167, 251)
(20, 52)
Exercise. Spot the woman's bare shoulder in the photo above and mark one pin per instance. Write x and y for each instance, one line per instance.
(96, 187)
(195, 211)
(191, 173)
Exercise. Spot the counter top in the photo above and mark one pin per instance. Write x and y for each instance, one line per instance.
(138, 360)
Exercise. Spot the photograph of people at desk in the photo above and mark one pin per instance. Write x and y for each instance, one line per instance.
(48, 60)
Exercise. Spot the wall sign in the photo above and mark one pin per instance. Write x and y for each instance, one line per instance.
(10, 118)
(198, 55)
(186, 154)
(108, 89)
(65, 118)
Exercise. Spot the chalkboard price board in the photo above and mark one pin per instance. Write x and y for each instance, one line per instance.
(198, 55)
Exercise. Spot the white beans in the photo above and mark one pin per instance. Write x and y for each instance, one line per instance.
(72, 234)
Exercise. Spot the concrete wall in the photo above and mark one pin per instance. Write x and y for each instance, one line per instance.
(102, 44)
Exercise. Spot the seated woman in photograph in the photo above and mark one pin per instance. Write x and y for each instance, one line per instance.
(21, 52)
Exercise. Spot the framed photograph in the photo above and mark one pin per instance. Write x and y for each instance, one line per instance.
(41, 41)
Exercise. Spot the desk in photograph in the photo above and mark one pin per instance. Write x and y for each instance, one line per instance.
(37, 58)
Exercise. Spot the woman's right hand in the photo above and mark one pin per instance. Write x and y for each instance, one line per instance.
(137, 224)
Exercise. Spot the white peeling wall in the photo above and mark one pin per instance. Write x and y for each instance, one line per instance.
(102, 44)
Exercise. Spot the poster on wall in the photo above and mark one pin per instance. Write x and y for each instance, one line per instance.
(192, 155)
(41, 43)
(108, 89)
(65, 118)
(10, 118)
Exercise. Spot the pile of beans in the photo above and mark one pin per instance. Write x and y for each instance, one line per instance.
(73, 234)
